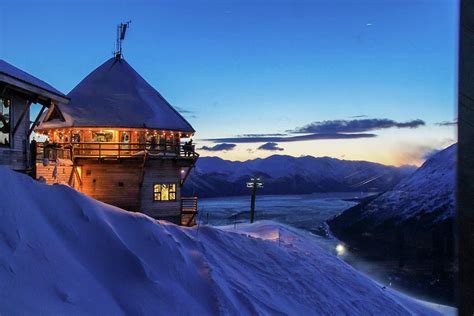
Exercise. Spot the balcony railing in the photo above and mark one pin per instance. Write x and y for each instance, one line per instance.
(189, 210)
(113, 150)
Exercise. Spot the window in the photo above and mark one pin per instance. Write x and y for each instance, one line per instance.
(102, 137)
(76, 138)
(125, 137)
(153, 141)
(164, 192)
(5, 109)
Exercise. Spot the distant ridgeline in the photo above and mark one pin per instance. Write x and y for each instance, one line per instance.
(214, 177)
(412, 225)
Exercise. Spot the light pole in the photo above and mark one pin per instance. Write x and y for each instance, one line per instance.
(254, 184)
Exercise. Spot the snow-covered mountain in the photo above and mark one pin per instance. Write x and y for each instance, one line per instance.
(429, 192)
(63, 253)
(426, 197)
(282, 174)
(412, 224)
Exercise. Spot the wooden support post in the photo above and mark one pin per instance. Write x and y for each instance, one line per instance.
(78, 175)
(36, 121)
(188, 171)
(27, 107)
(71, 177)
(3, 88)
(145, 157)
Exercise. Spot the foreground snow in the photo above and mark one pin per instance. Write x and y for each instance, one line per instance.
(62, 253)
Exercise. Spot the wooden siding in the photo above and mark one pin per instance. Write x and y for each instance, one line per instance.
(16, 156)
(113, 182)
(161, 171)
(124, 183)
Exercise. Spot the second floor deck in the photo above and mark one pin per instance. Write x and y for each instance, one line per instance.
(109, 150)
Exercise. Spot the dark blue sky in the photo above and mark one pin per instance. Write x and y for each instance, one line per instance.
(246, 67)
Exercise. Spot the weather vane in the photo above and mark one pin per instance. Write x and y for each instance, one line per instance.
(121, 30)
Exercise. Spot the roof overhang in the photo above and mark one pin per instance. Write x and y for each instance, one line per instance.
(35, 93)
(60, 124)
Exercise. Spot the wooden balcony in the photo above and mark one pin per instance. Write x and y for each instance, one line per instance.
(189, 210)
(114, 151)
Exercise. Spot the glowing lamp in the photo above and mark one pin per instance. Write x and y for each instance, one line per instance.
(340, 249)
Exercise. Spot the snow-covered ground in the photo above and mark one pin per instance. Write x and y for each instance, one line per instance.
(62, 253)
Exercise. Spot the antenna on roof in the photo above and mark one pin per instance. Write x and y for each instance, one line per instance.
(121, 30)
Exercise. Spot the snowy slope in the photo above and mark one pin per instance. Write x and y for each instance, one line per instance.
(412, 225)
(62, 253)
(429, 190)
(292, 175)
(426, 197)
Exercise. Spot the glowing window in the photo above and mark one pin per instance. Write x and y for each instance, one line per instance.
(102, 137)
(76, 138)
(164, 192)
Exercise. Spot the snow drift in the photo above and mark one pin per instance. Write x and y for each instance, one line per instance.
(63, 253)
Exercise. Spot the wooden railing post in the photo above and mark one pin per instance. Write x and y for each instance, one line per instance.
(189, 210)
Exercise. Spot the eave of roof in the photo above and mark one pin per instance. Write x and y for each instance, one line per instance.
(16, 77)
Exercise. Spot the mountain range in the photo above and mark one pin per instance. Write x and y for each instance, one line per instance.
(281, 174)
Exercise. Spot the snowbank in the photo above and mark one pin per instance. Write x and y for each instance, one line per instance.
(62, 253)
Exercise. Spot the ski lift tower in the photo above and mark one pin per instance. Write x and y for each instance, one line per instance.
(254, 184)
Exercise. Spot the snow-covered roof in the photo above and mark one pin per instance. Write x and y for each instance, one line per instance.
(21, 79)
(115, 95)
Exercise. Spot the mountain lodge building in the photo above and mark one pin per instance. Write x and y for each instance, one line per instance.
(18, 90)
(119, 141)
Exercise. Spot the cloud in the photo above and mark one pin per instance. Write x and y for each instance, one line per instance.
(447, 123)
(271, 147)
(332, 129)
(354, 126)
(417, 153)
(219, 147)
(263, 135)
(185, 112)
(280, 139)
(428, 153)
